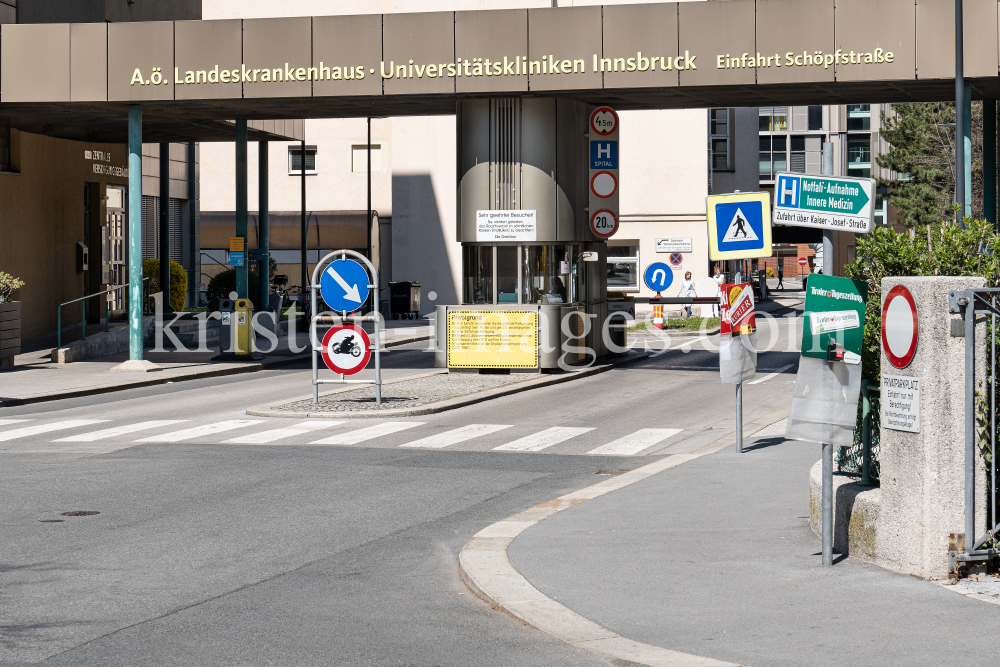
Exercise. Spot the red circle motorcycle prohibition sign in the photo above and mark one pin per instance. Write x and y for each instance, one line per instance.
(346, 349)
(604, 121)
(604, 223)
(899, 326)
(604, 184)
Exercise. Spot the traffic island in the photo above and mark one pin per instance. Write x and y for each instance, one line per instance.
(424, 394)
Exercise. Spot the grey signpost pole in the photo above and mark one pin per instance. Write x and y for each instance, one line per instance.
(827, 447)
(827, 234)
(960, 119)
(263, 227)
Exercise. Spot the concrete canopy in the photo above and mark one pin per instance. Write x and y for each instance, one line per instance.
(77, 80)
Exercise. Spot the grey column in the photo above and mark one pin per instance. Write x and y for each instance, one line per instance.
(305, 237)
(990, 161)
(827, 233)
(262, 225)
(960, 118)
(135, 232)
(241, 203)
(164, 210)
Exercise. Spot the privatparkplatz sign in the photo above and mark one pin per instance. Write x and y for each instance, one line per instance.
(826, 202)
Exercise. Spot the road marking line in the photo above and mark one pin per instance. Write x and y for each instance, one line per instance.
(203, 430)
(633, 443)
(456, 436)
(119, 430)
(265, 437)
(45, 428)
(536, 442)
(363, 434)
(771, 375)
(13, 421)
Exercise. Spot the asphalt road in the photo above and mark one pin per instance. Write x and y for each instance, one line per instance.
(214, 553)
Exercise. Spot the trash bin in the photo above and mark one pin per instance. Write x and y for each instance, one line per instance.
(226, 326)
(404, 300)
(243, 321)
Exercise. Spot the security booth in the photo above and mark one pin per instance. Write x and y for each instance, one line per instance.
(531, 266)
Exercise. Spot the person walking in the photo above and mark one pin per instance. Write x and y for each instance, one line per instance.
(687, 290)
(781, 274)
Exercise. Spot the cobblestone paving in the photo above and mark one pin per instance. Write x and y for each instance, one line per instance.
(406, 394)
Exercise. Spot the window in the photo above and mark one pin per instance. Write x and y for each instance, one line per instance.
(623, 267)
(550, 274)
(773, 119)
(359, 158)
(295, 160)
(881, 207)
(815, 118)
(478, 269)
(773, 155)
(859, 155)
(859, 118)
(797, 160)
(719, 122)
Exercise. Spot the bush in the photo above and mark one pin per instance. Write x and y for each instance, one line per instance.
(178, 281)
(769, 272)
(8, 284)
(223, 283)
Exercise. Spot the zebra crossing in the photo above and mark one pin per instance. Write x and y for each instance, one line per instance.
(23, 435)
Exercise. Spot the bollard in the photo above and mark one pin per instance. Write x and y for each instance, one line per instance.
(658, 316)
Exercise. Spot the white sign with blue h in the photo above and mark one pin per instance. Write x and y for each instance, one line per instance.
(787, 191)
(603, 154)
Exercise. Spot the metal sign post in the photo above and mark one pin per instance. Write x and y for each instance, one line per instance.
(352, 294)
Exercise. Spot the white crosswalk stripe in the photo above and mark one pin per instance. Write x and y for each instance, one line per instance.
(363, 434)
(633, 443)
(275, 434)
(38, 429)
(204, 430)
(536, 442)
(455, 436)
(107, 433)
(4, 422)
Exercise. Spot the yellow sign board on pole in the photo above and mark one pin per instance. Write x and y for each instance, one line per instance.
(739, 225)
(493, 338)
(236, 244)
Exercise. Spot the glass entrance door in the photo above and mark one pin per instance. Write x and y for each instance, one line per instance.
(113, 258)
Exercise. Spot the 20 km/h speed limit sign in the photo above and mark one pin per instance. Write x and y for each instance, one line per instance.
(604, 223)
(603, 164)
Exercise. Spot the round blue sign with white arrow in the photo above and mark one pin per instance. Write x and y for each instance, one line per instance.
(344, 285)
(658, 276)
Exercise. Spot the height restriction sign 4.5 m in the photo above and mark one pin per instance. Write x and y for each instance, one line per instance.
(739, 225)
(603, 165)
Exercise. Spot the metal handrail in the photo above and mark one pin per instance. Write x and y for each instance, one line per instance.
(83, 320)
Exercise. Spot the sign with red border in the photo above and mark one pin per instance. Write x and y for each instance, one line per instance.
(604, 121)
(346, 349)
(604, 223)
(899, 326)
(604, 184)
(676, 258)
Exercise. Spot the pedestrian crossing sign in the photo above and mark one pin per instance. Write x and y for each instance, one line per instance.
(739, 225)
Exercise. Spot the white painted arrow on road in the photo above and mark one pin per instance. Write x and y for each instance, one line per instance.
(352, 293)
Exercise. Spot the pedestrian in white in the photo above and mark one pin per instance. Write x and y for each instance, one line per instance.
(719, 278)
(687, 289)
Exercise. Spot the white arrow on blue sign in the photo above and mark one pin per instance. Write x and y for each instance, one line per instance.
(344, 285)
(658, 276)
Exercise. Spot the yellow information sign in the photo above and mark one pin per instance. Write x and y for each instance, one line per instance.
(236, 244)
(492, 339)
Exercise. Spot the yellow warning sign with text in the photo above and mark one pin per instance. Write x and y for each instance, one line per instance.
(492, 339)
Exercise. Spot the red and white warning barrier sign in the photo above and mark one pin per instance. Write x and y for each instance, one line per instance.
(736, 308)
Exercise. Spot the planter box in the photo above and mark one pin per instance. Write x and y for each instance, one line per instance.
(10, 333)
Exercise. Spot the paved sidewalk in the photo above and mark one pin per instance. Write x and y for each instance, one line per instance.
(35, 378)
(715, 558)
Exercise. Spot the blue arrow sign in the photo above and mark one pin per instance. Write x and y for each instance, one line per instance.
(344, 285)
(658, 276)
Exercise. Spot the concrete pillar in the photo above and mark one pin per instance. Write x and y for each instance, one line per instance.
(135, 232)
(241, 203)
(990, 161)
(263, 225)
(922, 474)
(164, 223)
(304, 228)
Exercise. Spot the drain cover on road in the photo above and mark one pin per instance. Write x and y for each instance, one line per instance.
(79, 513)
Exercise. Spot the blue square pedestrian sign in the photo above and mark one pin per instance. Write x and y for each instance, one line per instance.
(603, 154)
(739, 225)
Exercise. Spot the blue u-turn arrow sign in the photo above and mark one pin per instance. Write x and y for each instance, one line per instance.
(658, 276)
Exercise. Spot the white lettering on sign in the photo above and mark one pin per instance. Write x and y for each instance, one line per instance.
(674, 245)
(900, 403)
(506, 226)
(838, 320)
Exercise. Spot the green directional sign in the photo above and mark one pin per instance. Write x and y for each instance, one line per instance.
(828, 202)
